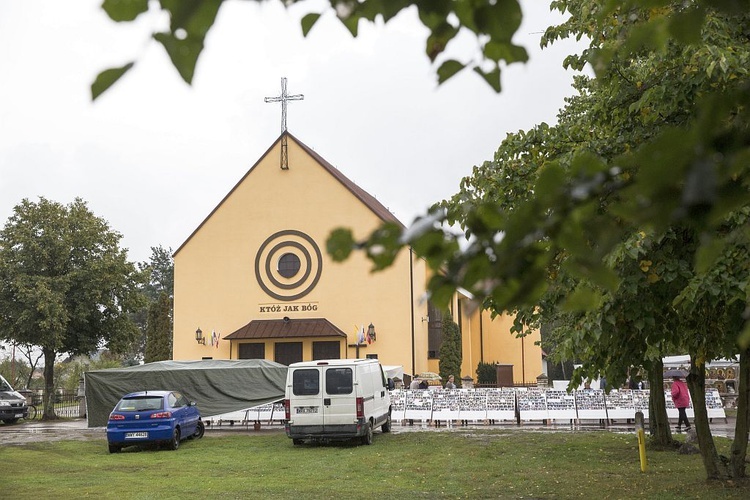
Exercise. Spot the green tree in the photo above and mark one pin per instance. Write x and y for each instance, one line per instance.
(16, 372)
(159, 330)
(487, 373)
(450, 350)
(630, 270)
(65, 284)
(160, 271)
(553, 225)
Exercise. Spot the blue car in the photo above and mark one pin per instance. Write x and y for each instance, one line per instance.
(153, 417)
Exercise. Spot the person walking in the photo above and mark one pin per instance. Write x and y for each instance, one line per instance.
(681, 399)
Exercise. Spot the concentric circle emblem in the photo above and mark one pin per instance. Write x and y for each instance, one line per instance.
(288, 265)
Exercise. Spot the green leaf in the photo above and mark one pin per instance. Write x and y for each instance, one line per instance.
(340, 244)
(107, 78)
(584, 298)
(124, 10)
(441, 291)
(308, 22)
(491, 77)
(433, 13)
(183, 53)
(550, 183)
(196, 17)
(438, 39)
(448, 69)
(351, 22)
(505, 51)
(707, 255)
(499, 20)
(383, 245)
(686, 26)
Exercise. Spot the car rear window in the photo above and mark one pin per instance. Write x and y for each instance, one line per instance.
(306, 382)
(140, 404)
(339, 381)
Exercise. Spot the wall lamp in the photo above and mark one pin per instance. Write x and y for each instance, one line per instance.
(199, 337)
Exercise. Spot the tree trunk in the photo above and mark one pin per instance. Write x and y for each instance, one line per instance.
(49, 385)
(658, 422)
(742, 425)
(696, 379)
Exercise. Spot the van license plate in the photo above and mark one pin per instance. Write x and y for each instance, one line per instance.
(136, 435)
(307, 409)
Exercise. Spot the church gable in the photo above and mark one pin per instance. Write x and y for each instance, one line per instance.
(309, 187)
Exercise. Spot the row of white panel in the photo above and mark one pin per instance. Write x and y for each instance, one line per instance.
(499, 404)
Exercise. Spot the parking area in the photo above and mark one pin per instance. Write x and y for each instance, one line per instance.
(77, 429)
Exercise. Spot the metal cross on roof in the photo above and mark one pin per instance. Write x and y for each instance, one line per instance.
(283, 98)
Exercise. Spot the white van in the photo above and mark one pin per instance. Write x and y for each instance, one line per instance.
(12, 404)
(336, 399)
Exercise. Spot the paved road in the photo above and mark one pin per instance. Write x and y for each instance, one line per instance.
(76, 429)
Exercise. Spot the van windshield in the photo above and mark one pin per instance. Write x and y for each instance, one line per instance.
(306, 382)
(4, 386)
(339, 381)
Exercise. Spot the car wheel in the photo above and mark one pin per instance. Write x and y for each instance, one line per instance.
(367, 438)
(200, 429)
(175, 442)
(297, 441)
(10, 420)
(114, 448)
(387, 424)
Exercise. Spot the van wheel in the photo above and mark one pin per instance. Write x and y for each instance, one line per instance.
(297, 441)
(367, 438)
(387, 424)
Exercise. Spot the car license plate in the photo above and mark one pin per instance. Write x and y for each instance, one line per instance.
(307, 409)
(136, 435)
(19, 415)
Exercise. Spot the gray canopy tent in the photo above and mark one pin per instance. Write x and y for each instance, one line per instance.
(218, 386)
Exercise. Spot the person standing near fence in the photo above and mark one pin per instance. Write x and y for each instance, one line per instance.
(681, 399)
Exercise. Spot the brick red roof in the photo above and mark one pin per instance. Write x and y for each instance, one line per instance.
(288, 328)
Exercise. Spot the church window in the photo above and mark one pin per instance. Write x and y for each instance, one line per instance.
(289, 265)
(434, 331)
(254, 350)
(326, 350)
(287, 353)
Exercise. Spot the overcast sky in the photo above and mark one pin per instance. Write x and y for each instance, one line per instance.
(153, 156)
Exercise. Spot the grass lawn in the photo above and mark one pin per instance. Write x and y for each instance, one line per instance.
(462, 463)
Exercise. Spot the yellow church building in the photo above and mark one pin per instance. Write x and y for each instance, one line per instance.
(253, 281)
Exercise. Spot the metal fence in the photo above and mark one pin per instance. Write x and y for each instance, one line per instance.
(66, 404)
(515, 384)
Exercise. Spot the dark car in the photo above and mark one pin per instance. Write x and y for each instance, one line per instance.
(153, 417)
